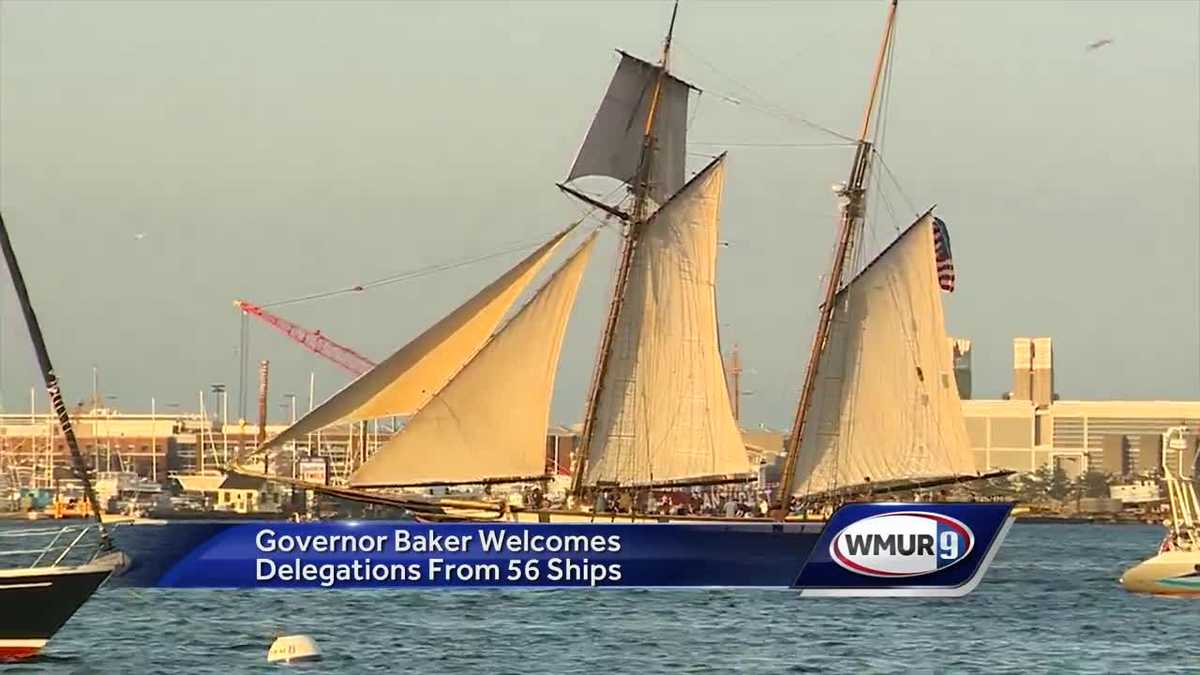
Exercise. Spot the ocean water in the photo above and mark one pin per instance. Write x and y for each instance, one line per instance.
(1050, 603)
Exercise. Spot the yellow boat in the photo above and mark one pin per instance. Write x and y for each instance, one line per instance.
(1175, 570)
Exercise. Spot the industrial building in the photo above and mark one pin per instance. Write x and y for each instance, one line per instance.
(33, 452)
(1027, 429)
(1031, 427)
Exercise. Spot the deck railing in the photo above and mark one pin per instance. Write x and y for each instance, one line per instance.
(49, 546)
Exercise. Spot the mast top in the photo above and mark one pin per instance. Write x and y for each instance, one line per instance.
(671, 32)
(639, 134)
(648, 133)
(889, 30)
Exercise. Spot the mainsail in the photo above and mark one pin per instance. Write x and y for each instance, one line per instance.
(488, 424)
(405, 380)
(885, 406)
(664, 414)
(613, 146)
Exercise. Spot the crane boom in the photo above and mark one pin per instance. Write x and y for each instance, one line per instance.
(312, 340)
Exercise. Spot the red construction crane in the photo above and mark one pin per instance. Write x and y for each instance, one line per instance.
(312, 340)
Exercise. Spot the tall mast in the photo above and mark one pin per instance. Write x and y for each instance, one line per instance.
(52, 388)
(633, 228)
(854, 196)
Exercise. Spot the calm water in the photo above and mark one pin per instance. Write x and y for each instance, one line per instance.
(1050, 603)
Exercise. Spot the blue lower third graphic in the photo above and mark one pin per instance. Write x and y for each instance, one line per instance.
(869, 548)
(938, 550)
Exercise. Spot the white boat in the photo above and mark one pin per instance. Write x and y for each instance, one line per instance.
(208, 481)
(1172, 572)
(1175, 570)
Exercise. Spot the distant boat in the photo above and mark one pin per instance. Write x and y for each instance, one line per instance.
(1175, 569)
(208, 481)
(39, 598)
(879, 390)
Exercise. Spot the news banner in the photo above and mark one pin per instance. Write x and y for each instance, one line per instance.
(865, 549)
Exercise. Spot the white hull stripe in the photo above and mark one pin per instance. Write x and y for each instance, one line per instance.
(31, 643)
(40, 584)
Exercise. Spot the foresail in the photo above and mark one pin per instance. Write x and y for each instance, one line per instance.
(664, 414)
(613, 146)
(885, 406)
(489, 422)
(405, 380)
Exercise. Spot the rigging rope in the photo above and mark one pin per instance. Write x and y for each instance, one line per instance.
(763, 105)
(408, 275)
(895, 181)
(840, 144)
(877, 144)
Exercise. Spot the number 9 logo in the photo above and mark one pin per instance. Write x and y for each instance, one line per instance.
(948, 545)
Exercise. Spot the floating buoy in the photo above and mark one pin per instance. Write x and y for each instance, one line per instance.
(293, 648)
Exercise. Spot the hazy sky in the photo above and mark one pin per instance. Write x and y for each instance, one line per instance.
(272, 150)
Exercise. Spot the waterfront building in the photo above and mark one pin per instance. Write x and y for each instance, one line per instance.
(246, 494)
(157, 446)
(1031, 427)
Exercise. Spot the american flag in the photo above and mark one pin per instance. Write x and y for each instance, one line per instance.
(945, 261)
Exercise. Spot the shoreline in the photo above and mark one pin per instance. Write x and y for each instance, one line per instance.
(1100, 519)
(1037, 519)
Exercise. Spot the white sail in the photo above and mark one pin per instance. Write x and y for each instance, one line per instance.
(885, 405)
(613, 146)
(404, 381)
(489, 422)
(663, 414)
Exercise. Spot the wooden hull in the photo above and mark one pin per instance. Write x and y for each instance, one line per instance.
(553, 516)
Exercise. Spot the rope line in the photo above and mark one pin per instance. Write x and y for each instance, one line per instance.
(895, 181)
(763, 104)
(409, 274)
(776, 145)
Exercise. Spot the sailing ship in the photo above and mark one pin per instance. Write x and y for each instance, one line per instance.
(1175, 569)
(42, 598)
(879, 390)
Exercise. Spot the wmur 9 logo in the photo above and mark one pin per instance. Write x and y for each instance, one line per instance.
(902, 544)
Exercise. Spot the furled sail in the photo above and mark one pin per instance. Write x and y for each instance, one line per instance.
(404, 381)
(663, 414)
(489, 422)
(613, 146)
(886, 405)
